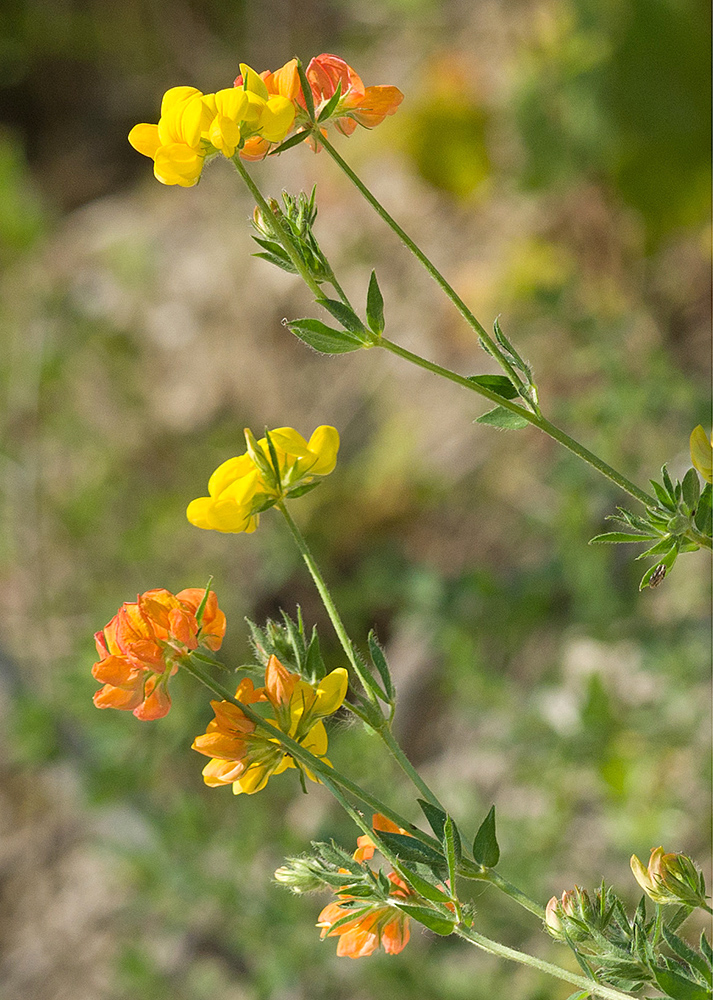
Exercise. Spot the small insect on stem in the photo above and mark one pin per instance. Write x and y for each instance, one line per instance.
(658, 575)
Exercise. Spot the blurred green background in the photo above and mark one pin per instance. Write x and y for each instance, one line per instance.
(553, 158)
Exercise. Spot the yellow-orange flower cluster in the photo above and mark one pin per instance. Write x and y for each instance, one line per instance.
(246, 757)
(243, 486)
(194, 126)
(254, 115)
(373, 925)
(141, 647)
(356, 105)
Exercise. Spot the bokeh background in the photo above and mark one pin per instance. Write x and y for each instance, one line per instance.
(552, 156)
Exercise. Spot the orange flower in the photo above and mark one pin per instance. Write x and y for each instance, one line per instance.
(140, 648)
(366, 846)
(368, 106)
(246, 757)
(377, 923)
(357, 104)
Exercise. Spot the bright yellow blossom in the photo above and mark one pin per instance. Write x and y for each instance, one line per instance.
(243, 486)
(244, 756)
(194, 126)
(700, 447)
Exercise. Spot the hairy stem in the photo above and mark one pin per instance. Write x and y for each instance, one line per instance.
(540, 422)
(503, 951)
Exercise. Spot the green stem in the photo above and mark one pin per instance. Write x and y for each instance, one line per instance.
(496, 880)
(538, 421)
(696, 536)
(503, 951)
(327, 600)
(381, 728)
(438, 277)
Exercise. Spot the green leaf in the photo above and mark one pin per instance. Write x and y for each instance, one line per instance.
(667, 480)
(678, 987)
(452, 849)
(690, 490)
(656, 574)
(306, 91)
(271, 246)
(380, 662)
(411, 849)
(284, 265)
(435, 817)
(300, 491)
(424, 888)
(663, 545)
(331, 104)
(703, 516)
(294, 140)
(663, 496)
(500, 384)
(705, 948)
(314, 664)
(202, 606)
(687, 954)
(616, 536)
(324, 339)
(579, 995)
(486, 850)
(375, 306)
(502, 418)
(344, 315)
(430, 918)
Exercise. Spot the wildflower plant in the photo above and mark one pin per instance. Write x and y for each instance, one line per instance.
(427, 869)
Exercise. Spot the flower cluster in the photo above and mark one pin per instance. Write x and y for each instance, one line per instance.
(374, 924)
(282, 464)
(143, 644)
(194, 126)
(245, 756)
(326, 74)
(256, 114)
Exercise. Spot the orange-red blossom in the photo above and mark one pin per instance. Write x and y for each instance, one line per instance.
(357, 104)
(140, 648)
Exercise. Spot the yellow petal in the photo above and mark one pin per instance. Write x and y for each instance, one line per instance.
(231, 103)
(331, 692)
(178, 164)
(198, 512)
(287, 439)
(253, 780)
(325, 443)
(145, 139)
(253, 110)
(228, 472)
(175, 96)
(224, 134)
(189, 120)
(641, 873)
(316, 740)
(277, 119)
(252, 82)
(700, 447)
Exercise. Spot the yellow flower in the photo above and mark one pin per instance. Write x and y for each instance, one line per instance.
(175, 143)
(700, 447)
(245, 485)
(195, 125)
(244, 756)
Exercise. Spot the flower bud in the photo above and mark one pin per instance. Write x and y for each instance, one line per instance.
(670, 878)
(300, 875)
(569, 915)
